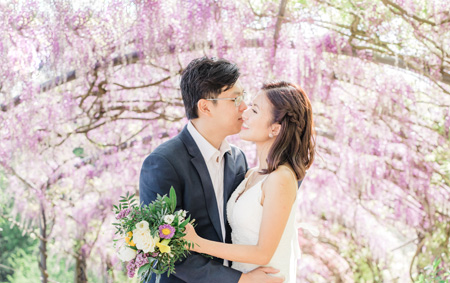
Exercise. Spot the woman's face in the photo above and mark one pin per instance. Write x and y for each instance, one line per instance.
(257, 119)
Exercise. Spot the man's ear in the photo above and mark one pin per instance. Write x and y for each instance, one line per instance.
(276, 128)
(203, 107)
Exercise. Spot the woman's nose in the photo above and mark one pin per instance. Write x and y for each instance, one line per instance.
(245, 115)
(243, 106)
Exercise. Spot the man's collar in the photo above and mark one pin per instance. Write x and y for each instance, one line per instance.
(206, 148)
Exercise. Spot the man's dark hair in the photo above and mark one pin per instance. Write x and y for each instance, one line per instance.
(206, 78)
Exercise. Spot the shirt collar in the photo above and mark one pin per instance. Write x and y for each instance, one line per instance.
(207, 149)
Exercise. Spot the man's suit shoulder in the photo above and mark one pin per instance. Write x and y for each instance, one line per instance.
(174, 146)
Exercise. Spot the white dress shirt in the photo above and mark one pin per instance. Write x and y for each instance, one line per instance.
(215, 163)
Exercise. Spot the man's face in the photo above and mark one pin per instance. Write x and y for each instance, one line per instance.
(226, 115)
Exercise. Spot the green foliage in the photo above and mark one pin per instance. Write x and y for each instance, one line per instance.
(26, 266)
(365, 267)
(13, 240)
(438, 245)
(434, 273)
(79, 151)
(13, 244)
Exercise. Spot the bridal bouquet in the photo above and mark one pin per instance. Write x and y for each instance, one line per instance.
(151, 235)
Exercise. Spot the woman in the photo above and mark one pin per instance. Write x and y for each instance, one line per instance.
(261, 211)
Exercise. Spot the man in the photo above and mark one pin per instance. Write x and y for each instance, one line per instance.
(203, 168)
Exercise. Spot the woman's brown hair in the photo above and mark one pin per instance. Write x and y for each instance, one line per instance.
(295, 143)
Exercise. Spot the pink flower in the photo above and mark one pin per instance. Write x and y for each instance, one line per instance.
(141, 260)
(166, 231)
(131, 268)
(124, 213)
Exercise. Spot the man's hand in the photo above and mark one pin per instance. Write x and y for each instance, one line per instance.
(261, 275)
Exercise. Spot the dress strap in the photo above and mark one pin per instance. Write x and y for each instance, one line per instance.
(251, 173)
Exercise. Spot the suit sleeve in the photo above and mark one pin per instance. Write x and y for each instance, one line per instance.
(157, 176)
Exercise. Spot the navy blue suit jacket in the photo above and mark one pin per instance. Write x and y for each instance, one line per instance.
(179, 163)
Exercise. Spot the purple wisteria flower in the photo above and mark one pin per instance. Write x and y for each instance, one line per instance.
(131, 268)
(123, 213)
(140, 260)
(166, 231)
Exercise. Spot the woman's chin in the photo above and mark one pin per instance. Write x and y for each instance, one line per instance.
(244, 137)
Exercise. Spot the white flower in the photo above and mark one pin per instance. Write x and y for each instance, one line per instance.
(125, 253)
(143, 225)
(169, 218)
(144, 240)
(181, 213)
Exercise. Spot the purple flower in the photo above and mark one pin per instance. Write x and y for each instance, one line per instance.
(166, 231)
(123, 213)
(131, 268)
(140, 260)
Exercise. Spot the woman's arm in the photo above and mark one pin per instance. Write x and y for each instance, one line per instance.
(280, 191)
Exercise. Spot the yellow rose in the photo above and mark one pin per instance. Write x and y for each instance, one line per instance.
(164, 246)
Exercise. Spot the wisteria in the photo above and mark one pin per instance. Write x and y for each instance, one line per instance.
(87, 91)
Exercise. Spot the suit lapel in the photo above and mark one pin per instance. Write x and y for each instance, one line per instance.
(228, 180)
(207, 186)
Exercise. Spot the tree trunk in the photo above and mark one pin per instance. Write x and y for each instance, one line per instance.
(43, 246)
(276, 36)
(80, 269)
(109, 278)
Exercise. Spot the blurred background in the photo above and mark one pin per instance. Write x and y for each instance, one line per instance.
(89, 88)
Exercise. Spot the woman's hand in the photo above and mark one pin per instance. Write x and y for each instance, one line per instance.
(192, 237)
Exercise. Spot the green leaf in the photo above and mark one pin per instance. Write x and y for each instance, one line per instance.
(78, 151)
(185, 222)
(143, 269)
(173, 199)
(436, 264)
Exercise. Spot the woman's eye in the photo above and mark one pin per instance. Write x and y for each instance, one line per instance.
(254, 111)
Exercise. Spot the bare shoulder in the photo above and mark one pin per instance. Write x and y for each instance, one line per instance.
(282, 180)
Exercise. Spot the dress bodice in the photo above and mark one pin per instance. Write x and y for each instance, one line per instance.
(244, 212)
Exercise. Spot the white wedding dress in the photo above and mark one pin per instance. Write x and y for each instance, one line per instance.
(244, 214)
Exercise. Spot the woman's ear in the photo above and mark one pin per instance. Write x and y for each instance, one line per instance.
(203, 107)
(275, 129)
